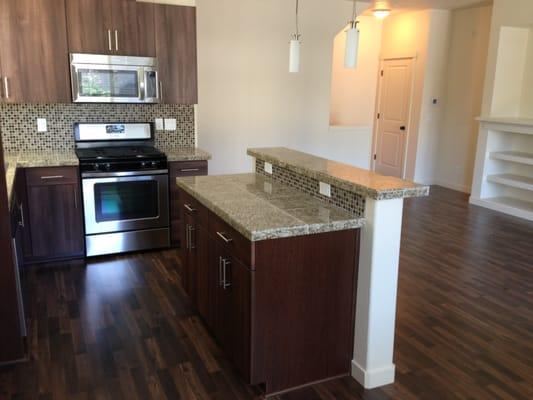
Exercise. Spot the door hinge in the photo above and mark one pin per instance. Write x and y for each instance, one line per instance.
(379, 115)
(375, 157)
(381, 72)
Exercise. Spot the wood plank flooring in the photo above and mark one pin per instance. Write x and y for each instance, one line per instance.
(122, 328)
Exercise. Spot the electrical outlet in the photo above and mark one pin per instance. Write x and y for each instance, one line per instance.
(159, 126)
(41, 125)
(268, 168)
(170, 124)
(325, 189)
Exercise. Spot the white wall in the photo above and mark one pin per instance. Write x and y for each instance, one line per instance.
(349, 107)
(467, 59)
(513, 13)
(248, 98)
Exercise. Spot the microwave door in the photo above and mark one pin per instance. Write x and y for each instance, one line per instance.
(151, 86)
(106, 84)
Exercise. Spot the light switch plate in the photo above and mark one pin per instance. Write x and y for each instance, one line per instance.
(325, 189)
(268, 168)
(159, 126)
(41, 125)
(170, 124)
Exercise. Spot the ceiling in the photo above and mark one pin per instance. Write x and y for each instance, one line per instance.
(409, 5)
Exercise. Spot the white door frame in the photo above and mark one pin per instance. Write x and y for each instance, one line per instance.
(376, 111)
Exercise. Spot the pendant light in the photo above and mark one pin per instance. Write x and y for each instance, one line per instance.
(352, 41)
(294, 52)
(381, 9)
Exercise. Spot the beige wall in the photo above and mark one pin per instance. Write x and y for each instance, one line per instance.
(517, 13)
(348, 106)
(424, 36)
(248, 98)
(467, 58)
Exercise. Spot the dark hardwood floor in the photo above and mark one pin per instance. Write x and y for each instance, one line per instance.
(122, 328)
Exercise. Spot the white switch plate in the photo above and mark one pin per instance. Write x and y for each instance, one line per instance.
(268, 168)
(325, 189)
(170, 124)
(159, 126)
(41, 125)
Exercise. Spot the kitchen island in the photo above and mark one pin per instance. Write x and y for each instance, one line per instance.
(272, 271)
(298, 255)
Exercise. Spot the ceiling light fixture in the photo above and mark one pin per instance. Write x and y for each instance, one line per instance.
(294, 52)
(352, 41)
(381, 9)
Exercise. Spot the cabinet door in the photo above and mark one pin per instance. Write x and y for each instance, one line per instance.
(56, 223)
(188, 275)
(133, 28)
(233, 308)
(205, 277)
(89, 26)
(34, 52)
(175, 28)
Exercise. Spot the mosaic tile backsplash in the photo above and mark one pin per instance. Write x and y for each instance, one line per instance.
(18, 123)
(341, 198)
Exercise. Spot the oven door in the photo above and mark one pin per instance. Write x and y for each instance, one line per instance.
(95, 83)
(125, 203)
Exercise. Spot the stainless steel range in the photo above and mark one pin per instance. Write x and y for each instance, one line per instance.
(125, 188)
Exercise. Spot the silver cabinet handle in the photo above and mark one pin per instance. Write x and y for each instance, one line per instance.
(109, 40)
(189, 169)
(191, 244)
(224, 237)
(6, 87)
(220, 273)
(116, 40)
(51, 177)
(187, 236)
(225, 264)
(189, 208)
(160, 91)
(22, 223)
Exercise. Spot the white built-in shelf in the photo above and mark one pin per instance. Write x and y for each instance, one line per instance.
(516, 181)
(513, 156)
(509, 205)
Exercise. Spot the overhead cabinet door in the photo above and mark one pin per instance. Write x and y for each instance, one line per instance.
(89, 26)
(117, 27)
(34, 51)
(176, 53)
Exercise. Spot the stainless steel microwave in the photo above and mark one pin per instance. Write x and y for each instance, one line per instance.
(114, 79)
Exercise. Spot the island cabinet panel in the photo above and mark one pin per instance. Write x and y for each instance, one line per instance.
(179, 169)
(283, 310)
(34, 52)
(55, 213)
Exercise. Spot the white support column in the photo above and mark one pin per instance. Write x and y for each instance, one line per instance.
(373, 365)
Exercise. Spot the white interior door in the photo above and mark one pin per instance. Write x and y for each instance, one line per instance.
(394, 107)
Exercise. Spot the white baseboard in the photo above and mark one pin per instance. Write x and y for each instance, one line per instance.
(374, 378)
(453, 186)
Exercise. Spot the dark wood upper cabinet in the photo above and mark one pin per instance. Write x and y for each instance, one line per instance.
(175, 28)
(89, 26)
(55, 214)
(120, 27)
(34, 51)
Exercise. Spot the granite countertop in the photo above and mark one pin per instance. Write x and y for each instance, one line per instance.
(260, 208)
(34, 159)
(344, 176)
(185, 153)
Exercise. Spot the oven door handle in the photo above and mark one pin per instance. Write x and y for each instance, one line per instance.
(123, 174)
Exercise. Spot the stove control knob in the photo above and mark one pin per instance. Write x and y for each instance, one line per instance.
(96, 166)
(143, 165)
(154, 164)
(108, 167)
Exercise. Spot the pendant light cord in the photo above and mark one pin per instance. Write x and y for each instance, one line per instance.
(354, 21)
(297, 29)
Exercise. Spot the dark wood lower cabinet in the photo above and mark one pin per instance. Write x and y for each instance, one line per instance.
(283, 310)
(55, 213)
(179, 169)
